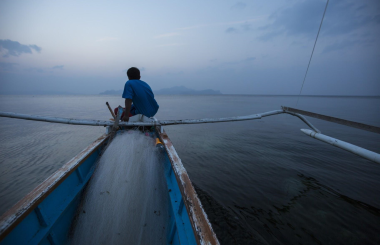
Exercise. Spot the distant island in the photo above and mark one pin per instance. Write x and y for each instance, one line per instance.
(167, 91)
(183, 90)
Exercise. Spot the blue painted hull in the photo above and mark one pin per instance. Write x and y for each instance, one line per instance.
(46, 214)
(49, 222)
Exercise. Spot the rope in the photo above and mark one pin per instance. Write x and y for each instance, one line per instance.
(312, 52)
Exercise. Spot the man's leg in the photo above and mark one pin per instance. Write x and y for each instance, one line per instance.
(131, 113)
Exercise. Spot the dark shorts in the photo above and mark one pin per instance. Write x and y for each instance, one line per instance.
(132, 112)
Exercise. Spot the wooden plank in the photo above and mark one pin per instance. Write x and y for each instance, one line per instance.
(352, 124)
(109, 108)
(202, 228)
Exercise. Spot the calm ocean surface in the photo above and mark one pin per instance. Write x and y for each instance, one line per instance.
(261, 180)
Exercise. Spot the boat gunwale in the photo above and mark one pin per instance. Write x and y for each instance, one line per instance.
(11, 218)
(202, 228)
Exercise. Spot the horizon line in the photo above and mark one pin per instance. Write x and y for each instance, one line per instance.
(98, 94)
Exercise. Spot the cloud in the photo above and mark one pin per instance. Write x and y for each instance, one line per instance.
(15, 48)
(238, 62)
(35, 47)
(231, 30)
(250, 59)
(7, 66)
(172, 34)
(239, 6)
(59, 67)
(174, 73)
(337, 27)
(338, 46)
(361, 7)
(270, 35)
(35, 69)
(246, 26)
(303, 19)
(348, 43)
(222, 23)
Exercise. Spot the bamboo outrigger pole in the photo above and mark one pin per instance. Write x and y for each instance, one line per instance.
(370, 155)
(373, 156)
(90, 122)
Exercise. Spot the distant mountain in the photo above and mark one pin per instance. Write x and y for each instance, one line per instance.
(173, 90)
(112, 92)
(184, 90)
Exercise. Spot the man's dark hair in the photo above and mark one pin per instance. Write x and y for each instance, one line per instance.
(133, 73)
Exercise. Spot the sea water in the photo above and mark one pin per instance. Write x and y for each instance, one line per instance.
(272, 178)
(126, 199)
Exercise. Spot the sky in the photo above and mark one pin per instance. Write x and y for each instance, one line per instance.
(236, 47)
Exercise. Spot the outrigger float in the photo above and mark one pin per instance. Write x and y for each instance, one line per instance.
(45, 215)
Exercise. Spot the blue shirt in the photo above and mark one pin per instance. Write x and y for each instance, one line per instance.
(142, 97)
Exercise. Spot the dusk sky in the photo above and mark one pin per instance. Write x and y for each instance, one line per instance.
(247, 47)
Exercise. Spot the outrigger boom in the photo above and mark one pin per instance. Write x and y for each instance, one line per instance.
(375, 157)
(90, 122)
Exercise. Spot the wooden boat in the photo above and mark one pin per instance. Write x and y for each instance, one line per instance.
(45, 215)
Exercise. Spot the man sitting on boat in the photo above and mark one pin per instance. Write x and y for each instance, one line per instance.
(139, 97)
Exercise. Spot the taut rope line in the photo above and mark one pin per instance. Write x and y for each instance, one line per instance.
(312, 52)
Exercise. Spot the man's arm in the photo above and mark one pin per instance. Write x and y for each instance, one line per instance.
(128, 104)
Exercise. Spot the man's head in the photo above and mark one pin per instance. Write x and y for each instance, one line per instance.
(133, 73)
